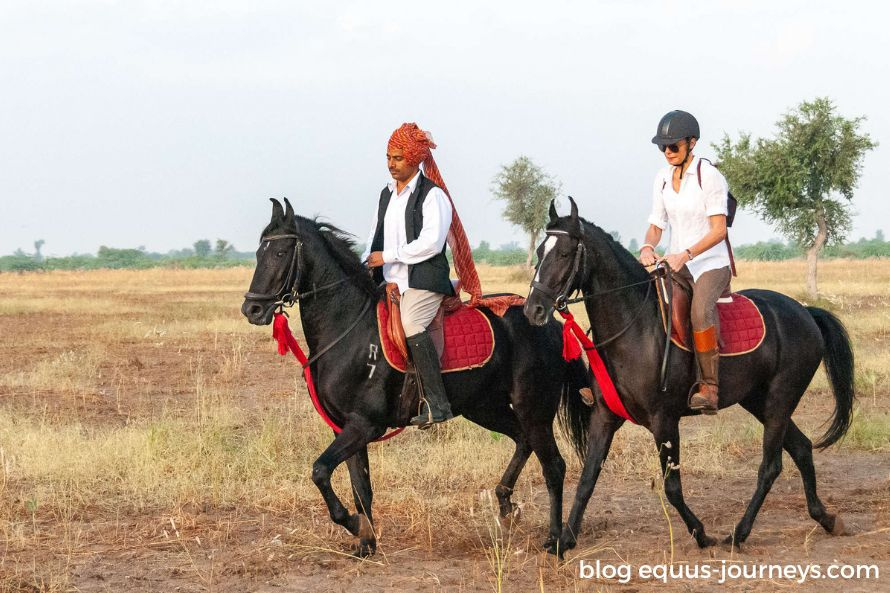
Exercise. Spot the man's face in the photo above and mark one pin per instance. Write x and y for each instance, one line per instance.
(676, 157)
(399, 168)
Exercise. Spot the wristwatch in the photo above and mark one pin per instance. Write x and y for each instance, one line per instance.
(689, 253)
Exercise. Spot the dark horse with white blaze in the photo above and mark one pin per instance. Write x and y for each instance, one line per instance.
(768, 382)
(516, 393)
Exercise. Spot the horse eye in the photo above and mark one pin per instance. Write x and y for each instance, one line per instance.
(280, 254)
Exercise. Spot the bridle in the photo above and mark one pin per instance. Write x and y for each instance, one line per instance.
(561, 300)
(287, 296)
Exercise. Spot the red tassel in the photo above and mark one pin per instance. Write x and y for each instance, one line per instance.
(280, 331)
(571, 349)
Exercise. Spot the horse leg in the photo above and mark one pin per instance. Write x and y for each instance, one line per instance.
(505, 422)
(800, 448)
(355, 436)
(667, 439)
(553, 466)
(603, 426)
(774, 429)
(362, 494)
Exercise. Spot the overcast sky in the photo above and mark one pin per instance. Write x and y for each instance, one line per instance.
(130, 123)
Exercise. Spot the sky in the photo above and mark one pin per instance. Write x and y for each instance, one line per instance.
(155, 124)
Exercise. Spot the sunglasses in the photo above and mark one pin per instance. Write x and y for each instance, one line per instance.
(675, 147)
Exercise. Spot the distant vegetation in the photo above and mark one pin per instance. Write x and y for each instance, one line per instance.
(224, 255)
(201, 255)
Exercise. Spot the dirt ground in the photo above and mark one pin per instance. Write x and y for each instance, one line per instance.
(89, 544)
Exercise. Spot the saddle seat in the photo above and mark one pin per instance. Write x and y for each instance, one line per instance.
(463, 336)
(741, 324)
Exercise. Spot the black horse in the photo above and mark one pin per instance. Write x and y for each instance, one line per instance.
(767, 382)
(517, 393)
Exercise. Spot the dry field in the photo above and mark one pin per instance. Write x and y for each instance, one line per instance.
(152, 440)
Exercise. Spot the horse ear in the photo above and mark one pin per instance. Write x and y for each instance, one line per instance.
(277, 210)
(553, 214)
(289, 214)
(574, 209)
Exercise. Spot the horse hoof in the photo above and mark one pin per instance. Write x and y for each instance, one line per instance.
(510, 518)
(365, 550)
(733, 542)
(566, 543)
(706, 541)
(552, 547)
(839, 528)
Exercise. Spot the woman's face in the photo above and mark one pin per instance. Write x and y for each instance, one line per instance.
(675, 154)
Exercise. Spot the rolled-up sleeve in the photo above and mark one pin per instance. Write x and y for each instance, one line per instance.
(431, 240)
(715, 188)
(658, 217)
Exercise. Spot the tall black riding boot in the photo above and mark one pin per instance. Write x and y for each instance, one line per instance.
(435, 406)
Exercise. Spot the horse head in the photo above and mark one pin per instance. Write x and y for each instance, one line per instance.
(561, 263)
(278, 265)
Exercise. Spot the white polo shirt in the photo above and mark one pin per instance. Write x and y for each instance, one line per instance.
(687, 212)
(398, 253)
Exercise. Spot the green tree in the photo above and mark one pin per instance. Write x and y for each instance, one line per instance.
(802, 180)
(38, 244)
(202, 248)
(527, 191)
(223, 249)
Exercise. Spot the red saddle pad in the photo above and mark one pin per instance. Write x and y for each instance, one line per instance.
(469, 340)
(741, 327)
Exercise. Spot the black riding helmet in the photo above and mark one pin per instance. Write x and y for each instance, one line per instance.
(675, 126)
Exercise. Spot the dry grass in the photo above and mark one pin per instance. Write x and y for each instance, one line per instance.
(143, 393)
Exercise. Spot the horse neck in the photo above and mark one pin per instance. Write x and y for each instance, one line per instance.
(610, 313)
(327, 314)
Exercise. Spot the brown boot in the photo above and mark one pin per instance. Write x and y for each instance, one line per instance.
(708, 357)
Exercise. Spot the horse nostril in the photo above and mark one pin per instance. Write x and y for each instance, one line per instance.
(251, 310)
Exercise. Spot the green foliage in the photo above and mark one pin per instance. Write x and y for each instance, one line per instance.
(223, 249)
(109, 257)
(202, 248)
(803, 178)
(527, 191)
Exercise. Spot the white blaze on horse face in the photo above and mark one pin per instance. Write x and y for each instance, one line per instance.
(549, 244)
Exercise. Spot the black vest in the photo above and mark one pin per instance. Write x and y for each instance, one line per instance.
(432, 274)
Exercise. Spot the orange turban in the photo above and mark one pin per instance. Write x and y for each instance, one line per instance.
(413, 142)
(416, 145)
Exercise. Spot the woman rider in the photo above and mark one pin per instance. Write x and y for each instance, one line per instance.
(695, 209)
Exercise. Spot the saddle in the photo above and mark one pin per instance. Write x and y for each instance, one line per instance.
(463, 337)
(741, 324)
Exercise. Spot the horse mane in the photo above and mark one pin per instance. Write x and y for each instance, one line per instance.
(624, 257)
(342, 248)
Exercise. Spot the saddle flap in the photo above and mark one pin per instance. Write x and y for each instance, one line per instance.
(742, 328)
(396, 330)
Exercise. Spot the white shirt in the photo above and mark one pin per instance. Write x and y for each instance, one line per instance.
(398, 253)
(687, 212)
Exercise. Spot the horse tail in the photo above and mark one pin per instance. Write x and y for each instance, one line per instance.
(838, 359)
(574, 417)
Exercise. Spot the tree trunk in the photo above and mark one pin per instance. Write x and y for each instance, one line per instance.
(813, 255)
(532, 244)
